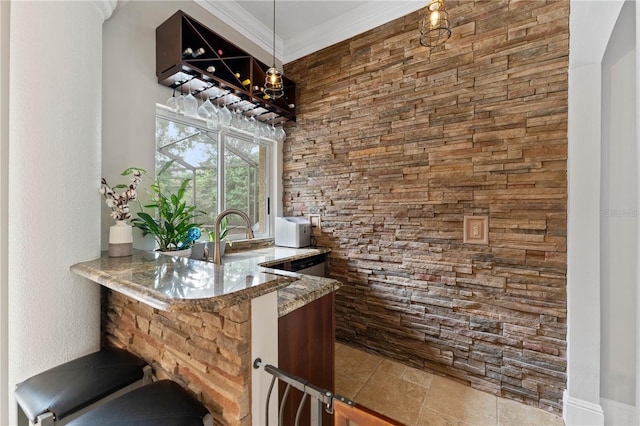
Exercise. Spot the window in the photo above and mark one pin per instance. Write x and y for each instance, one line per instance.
(229, 168)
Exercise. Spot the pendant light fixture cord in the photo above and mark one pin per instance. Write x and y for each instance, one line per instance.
(273, 86)
(274, 33)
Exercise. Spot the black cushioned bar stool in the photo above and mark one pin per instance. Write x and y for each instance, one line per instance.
(57, 396)
(162, 403)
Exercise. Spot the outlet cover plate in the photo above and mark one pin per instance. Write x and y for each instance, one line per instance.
(316, 222)
(476, 230)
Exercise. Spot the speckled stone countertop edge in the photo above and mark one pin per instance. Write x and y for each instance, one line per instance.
(212, 304)
(294, 290)
(304, 291)
(121, 286)
(307, 252)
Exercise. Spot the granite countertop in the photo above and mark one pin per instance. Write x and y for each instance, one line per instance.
(189, 285)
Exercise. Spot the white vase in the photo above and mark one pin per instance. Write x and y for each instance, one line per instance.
(120, 239)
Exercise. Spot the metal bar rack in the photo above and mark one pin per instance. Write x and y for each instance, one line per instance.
(347, 412)
(319, 397)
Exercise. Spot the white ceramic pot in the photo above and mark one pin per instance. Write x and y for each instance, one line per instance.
(177, 253)
(120, 239)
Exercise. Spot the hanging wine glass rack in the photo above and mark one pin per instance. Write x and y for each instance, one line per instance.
(191, 55)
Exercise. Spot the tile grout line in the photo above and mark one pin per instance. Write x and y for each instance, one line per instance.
(370, 375)
(429, 392)
(423, 405)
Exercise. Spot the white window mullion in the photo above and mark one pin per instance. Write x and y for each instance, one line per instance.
(222, 136)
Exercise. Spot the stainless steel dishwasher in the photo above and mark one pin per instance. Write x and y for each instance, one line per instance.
(314, 265)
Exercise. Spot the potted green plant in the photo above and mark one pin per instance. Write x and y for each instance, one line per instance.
(173, 227)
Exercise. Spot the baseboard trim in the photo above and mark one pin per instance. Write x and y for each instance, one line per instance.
(580, 412)
(618, 413)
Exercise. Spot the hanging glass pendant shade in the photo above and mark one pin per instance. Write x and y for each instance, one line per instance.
(435, 29)
(273, 86)
(273, 83)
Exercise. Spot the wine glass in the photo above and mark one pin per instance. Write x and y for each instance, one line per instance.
(203, 111)
(252, 124)
(190, 103)
(207, 109)
(235, 119)
(215, 117)
(281, 135)
(244, 122)
(172, 102)
(212, 114)
(180, 100)
(264, 130)
(225, 116)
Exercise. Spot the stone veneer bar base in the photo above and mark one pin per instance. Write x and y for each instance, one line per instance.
(207, 353)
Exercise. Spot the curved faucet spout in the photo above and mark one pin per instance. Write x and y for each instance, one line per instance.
(216, 231)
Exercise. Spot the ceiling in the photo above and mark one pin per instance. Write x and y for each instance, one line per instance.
(306, 26)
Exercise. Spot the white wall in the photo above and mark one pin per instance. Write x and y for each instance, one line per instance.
(55, 56)
(591, 26)
(582, 398)
(619, 215)
(4, 229)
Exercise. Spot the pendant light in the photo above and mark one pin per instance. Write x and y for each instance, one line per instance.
(273, 86)
(435, 28)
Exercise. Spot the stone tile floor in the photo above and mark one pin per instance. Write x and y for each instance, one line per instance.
(417, 398)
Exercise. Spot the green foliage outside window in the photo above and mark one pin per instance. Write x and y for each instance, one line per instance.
(191, 152)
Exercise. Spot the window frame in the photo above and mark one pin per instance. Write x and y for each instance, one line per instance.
(222, 133)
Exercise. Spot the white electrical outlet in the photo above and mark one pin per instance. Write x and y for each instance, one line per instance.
(476, 230)
(316, 222)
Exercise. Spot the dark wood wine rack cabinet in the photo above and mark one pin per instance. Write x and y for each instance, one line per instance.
(190, 55)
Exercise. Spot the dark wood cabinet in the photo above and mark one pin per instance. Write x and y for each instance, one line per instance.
(306, 349)
(190, 55)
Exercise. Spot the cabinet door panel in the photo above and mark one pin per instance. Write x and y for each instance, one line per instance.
(306, 349)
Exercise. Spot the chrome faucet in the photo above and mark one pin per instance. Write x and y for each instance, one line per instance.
(216, 231)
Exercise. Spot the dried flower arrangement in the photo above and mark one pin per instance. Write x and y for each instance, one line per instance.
(119, 202)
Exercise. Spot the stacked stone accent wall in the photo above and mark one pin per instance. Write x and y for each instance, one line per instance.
(394, 144)
(207, 353)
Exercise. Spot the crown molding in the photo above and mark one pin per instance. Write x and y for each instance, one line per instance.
(363, 18)
(105, 7)
(343, 27)
(246, 24)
